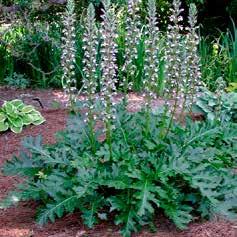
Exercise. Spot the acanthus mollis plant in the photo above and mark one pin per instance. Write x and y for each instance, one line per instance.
(151, 67)
(182, 62)
(109, 68)
(151, 62)
(68, 58)
(173, 58)
(132, 38)
(90, 45)
(191, 70)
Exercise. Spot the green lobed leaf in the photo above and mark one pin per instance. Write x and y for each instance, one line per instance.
(51, 211)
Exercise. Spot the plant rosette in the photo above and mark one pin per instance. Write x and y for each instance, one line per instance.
(222, 107)
(15, 114)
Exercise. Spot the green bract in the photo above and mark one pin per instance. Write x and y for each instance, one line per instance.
(15, 114)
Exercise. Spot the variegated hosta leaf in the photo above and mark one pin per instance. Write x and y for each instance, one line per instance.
(15, 114)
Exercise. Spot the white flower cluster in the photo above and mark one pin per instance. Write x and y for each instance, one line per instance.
(151, 67)
(90, 44)
(182, 62)
(182, 67)
(173, 53)
(108, 64)
(133, 35)
(191, 60)
(68, 58)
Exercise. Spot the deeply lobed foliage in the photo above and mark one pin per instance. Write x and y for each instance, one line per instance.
(185, 173)
(17, 80)
(216, 106)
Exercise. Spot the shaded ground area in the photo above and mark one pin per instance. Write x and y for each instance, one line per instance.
(19, 221)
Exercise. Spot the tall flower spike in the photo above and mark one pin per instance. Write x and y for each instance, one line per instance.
(68, 58)
(151, 67)
(191, 60)
(108, 64)
(133, 35)
(90, 45)
(173, 58)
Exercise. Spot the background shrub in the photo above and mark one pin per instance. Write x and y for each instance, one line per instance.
(27, 50)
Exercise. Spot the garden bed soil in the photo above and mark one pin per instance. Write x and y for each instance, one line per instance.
(19, 221)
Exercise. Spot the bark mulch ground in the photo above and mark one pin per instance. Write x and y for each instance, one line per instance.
(19, 221)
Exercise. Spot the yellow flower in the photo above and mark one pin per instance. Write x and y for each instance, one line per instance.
(215, 49)
(41, 175)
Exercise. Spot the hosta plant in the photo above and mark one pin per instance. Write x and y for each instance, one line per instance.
(185, 174)
(15, 114)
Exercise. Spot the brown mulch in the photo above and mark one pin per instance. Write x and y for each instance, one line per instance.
(47, 97)
(19, 221)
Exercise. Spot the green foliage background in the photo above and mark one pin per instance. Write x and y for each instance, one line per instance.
(40, 52)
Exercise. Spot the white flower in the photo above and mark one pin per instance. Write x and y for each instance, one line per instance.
(151, 53)
(68, 55)
(108, 64)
